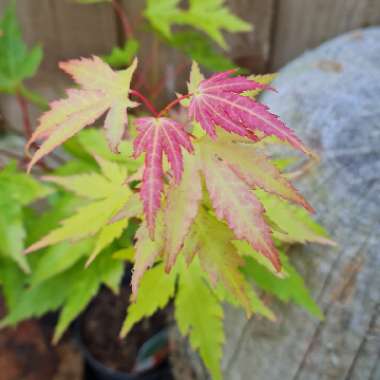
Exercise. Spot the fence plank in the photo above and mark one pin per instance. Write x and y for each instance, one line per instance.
(252, 50)
(304, 24)
(66, 29)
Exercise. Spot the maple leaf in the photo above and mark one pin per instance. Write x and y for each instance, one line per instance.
(162, 14)
(198, 16)
(109, 195)
(156, 137)
(147, 251)
(217, 101)
(265, 79)
(200, 49)
(156, 289)
(181, 209)
(292, 224)
(233, 201)
(212, 241)
(16, 62)
(231, 169)
(17, 190)
(201, 318)
(290, 287)
(122, 57)
(102, 90)
(251, 164)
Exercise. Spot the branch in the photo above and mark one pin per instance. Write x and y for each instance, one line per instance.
(120, 12)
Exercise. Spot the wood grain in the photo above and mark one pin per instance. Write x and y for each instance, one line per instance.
(65, 29)
(304, 24)
(252, 50)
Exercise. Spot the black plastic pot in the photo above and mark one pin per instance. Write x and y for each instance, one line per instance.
(95, 370)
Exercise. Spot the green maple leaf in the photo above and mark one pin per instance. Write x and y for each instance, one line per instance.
(70, 290)
(164, 13)
(58, 258)
(103, 270)
(199, 314)
(155, 290)
(122, 57)
(201, 49)
(198, 16)
(12, 282)
(38, 300)
(16, 191)
(16, 62)
(290, 287)
(92, 141)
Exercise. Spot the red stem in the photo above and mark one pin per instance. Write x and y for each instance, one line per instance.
(147, 103)
(25, 115)
(127, 27)
(172, 104)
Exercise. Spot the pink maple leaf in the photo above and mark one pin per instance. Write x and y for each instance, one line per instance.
(156, 137)
(218, 102)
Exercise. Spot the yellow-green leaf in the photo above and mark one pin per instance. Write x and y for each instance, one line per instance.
(156, 289)
(106, 236)
(102, 89)
(289, 288)
(262, 79)
(147, 251)
(199, 314)
(295, 225)
(181, 209)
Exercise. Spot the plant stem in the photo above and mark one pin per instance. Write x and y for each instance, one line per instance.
(33, 98)
(25, 115)
(172, 104)
(147, 103)
(120, 12)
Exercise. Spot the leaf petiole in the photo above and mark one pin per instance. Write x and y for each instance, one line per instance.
(146, 101)
(173, 103)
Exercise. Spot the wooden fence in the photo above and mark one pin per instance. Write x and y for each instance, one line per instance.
(283, 29)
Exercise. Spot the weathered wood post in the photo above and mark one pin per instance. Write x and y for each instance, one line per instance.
(331, 97)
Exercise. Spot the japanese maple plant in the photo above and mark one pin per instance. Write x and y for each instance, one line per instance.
(207, 194)
(190, 195)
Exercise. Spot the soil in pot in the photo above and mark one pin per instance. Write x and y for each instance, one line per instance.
(100, 328)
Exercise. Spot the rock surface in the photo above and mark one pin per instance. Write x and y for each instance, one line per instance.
(331, 98)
